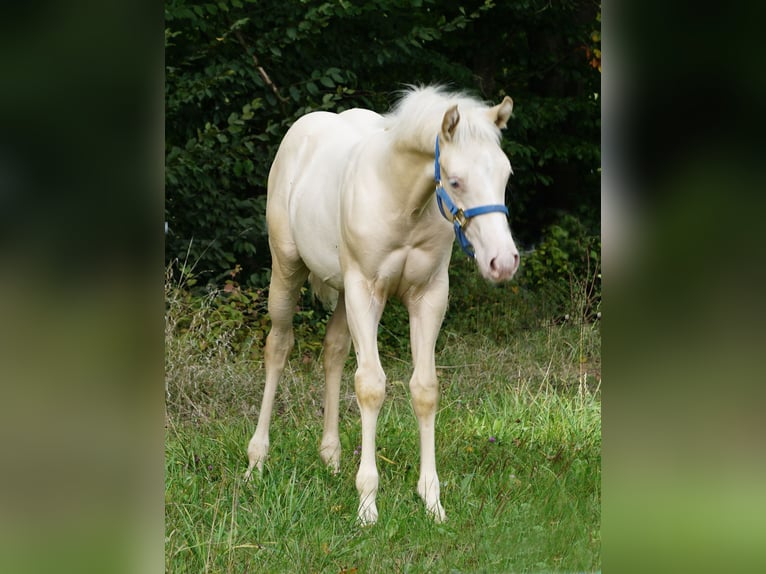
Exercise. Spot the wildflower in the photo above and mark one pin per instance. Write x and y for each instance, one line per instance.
(492, 439)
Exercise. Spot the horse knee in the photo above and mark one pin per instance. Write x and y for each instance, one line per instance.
(425, 394)
(370, 386)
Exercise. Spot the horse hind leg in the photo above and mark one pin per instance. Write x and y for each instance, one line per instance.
(286, 282)
(337, 344)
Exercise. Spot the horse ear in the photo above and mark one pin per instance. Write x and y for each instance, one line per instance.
(449, 123)
(501, 112)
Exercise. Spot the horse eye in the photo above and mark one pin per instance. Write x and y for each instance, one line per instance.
(454, 183)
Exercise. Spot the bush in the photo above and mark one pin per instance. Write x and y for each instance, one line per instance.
(233, 321)
(564, 269)
(229, 321)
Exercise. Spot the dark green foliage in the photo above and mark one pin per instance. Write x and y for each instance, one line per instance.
(564, 270)
(239, 72)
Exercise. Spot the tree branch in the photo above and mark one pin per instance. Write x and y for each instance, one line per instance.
(260, 69)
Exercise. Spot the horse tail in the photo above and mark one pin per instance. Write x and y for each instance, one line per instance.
(322, 291)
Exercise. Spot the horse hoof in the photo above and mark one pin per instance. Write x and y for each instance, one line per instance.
(368, 515)
(330, 455)
(438, 515)
(253, 465)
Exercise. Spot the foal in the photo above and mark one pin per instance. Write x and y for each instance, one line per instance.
(357, 205)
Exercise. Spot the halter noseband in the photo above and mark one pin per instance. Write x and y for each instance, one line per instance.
(460, 218)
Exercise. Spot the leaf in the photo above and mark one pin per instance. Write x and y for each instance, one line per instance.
(336, 75)
(239, 24)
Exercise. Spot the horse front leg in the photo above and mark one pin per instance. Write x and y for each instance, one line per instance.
(426, 311)
(363, 308)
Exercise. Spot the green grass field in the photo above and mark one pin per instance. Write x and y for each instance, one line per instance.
(518, 445)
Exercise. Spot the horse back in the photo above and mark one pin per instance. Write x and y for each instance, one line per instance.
(303, 201)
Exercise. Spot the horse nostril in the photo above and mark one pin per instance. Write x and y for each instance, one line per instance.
(515, 261)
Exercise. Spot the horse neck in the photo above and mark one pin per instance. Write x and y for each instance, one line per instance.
(408, 172)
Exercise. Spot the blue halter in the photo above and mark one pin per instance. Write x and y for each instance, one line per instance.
(459, 217)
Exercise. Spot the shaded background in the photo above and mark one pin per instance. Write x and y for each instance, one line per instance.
(239, 73)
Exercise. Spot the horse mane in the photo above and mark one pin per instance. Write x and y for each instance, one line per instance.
(417, 116)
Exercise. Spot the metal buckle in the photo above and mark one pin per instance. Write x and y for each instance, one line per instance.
(460, 217)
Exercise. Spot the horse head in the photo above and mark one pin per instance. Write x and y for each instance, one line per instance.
(471, 173)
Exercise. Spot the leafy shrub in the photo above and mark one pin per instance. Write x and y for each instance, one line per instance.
(478, 306)
(233, 321)
(230, 321)
(565, 269)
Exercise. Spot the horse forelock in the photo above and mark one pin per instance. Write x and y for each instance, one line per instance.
(417, 117)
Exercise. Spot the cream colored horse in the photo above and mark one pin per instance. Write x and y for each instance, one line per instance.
(351, 205)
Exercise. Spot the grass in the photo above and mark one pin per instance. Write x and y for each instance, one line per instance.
(518, 447)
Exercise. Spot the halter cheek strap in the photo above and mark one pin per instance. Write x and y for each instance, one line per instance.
(458, 217)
